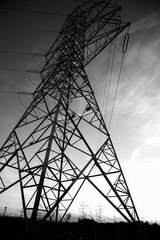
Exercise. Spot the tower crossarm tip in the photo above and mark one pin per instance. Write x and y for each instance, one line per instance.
(87, 30)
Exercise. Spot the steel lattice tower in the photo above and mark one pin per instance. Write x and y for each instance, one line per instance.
(45, 147)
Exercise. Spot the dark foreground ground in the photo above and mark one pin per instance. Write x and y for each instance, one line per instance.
(14, 228)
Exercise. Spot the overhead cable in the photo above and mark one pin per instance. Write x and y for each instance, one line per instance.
(117, 86)
(20, 93)
(12, 70)
(29, 28)
(32, 11)
(104, 106)
(110, 78)
(21, 100)
(124, 49)
(19, 70)
(106, 94)
(79, 1)
(22, 53)
(27, 72)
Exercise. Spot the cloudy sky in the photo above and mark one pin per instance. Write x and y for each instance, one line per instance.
(135, 125)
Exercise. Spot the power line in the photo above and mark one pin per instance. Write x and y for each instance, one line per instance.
(18, 70)
(124, 49)
(115, 96)
(109, 72)
(32, 11)
(12, 70)
(29, 28)
(21, 70)
(110, 78)
(20, 93)
(104, 108)
(22, 53)
(27, 72)
(79, 1)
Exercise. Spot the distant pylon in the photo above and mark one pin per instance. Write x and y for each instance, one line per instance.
(51, 150)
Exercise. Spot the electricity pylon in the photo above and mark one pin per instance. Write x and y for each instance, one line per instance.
(51, 151)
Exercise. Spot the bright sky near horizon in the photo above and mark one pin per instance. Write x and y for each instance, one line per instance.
(135, 128)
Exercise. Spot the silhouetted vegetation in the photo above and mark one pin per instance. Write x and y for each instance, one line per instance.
(14, 228)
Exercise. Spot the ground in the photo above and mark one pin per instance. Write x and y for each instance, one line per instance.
(85, 229)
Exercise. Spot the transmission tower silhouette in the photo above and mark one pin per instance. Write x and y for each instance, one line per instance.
(51, 151)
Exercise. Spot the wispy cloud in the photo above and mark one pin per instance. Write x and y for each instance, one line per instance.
(138, 103)
(138, 107)
(147, 22)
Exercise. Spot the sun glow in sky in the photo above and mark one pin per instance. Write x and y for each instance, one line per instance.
(135, 126)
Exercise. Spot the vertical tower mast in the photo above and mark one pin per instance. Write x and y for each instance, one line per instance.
(51, 151)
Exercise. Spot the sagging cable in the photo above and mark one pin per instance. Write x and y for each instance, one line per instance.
(34, 72)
